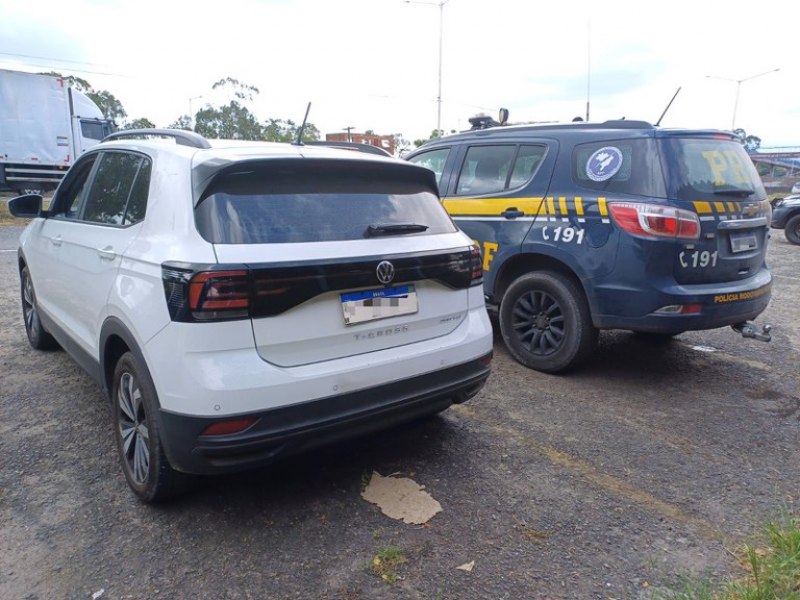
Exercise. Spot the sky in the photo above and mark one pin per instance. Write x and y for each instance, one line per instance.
(374, 64)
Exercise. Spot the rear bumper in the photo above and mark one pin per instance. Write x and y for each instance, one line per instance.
(288, 430)
(722, 304)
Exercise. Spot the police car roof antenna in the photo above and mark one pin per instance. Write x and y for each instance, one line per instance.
(299, 140)
(668, 105)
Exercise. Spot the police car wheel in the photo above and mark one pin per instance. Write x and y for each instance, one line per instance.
(792, 230)
(545, 322)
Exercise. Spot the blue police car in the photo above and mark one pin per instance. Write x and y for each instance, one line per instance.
(615, 225)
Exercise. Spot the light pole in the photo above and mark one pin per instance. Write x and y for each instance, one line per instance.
(739, 83)
(191, 115)
(440, 4)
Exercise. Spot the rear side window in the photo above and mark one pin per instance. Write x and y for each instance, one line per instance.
(491, 169)
(620, 166)
(315, 203)
(710, 169)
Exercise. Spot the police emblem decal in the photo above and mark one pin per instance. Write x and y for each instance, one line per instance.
(604, 163)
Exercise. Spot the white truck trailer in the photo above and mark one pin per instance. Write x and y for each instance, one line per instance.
(44, 126)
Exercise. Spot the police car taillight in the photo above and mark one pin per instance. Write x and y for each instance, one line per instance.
(476, 263)
(655, 220)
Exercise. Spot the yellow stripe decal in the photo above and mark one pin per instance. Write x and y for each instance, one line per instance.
(490, 206)
(720, 206)
(731, 207)
(579, 206)
(562, 205)
(702, 208)
(601, 205)
(551, 210)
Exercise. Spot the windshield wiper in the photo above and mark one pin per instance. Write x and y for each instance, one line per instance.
(389, 229)
(733, 191)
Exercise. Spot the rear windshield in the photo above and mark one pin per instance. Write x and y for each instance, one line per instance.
(711, 169)
(301, 204)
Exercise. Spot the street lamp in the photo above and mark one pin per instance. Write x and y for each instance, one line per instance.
(739, 83)
(191, 115)
(440, 4)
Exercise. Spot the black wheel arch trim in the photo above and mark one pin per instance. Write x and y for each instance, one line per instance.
(112, 327)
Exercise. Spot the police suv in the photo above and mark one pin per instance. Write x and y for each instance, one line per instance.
(615, 225)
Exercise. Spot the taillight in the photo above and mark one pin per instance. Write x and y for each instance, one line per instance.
(655, 220)
(207, 295)
(476, 265)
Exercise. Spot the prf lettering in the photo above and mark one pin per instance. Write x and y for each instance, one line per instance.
(488, 250)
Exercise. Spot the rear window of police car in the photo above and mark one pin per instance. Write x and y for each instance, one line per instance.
(315, 203)
(711, 169)
(681, 168)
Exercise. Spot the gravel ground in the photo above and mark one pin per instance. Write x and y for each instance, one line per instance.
(652, 463)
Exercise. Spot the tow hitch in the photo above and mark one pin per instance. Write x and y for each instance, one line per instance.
(748, 330)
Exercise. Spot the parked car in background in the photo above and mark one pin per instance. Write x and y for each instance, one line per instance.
(615, 225)
(239, 303)
(796, 188)
(786, 216)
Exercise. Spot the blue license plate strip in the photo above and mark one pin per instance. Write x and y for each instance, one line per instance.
(370, 305)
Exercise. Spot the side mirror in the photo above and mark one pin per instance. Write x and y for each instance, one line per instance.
(28, 206)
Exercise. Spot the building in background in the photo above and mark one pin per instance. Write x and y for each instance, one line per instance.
(387, 142)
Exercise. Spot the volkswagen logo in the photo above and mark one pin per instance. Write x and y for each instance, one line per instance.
(385, 272)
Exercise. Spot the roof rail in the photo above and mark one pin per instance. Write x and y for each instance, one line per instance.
(625, 124)
(181, 136)
(368, 148)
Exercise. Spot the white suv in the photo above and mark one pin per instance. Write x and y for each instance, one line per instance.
(240, 303)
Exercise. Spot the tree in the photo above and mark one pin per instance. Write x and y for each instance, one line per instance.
(76, 82)
(105, 100)
(142, 123)
(751, 143)
(108, 104)
(234, 122)
(182, 122)
(278, 130)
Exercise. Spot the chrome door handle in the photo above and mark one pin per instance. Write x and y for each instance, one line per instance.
(56, 241)
(107, 253)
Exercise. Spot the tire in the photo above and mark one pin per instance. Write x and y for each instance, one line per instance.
(792, 230)
(138, 435)
(546, 324)
(37, 336)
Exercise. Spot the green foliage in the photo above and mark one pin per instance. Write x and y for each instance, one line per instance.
(108, 104)
(231, 122)
(76, 82)
(751, 143)
(241, 90)
(142, 123)
(774, 570)
(278, 130)
(386, 561)
(182, 122)
(105, 100)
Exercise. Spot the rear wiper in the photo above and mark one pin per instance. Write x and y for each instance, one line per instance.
(389, 229)
(733, 191)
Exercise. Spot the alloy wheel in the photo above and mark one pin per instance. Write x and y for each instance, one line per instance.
(538, 321)
(132, 423)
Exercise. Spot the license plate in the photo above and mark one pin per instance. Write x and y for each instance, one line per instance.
(371, 305)
(742, 241)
